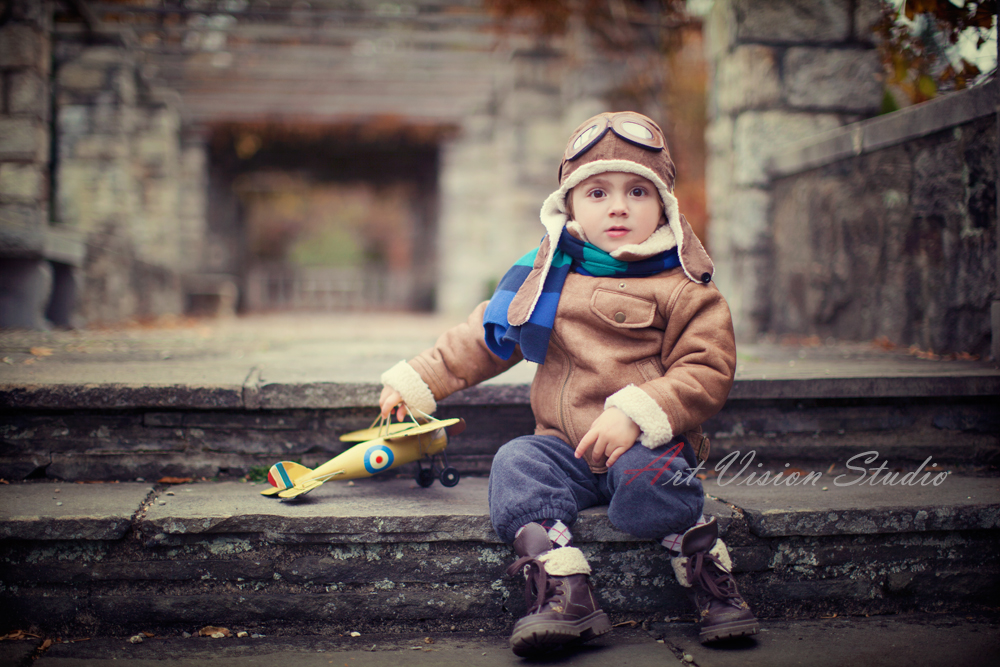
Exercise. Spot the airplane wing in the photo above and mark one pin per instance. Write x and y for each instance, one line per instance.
(374, 432)
(300, 489)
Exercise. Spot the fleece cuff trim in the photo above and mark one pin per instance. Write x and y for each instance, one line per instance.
(564, 561)
(415, 392)
(644, 411)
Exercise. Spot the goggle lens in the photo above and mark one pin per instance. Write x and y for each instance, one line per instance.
(628, 126)
(637, 131)
(586, 138)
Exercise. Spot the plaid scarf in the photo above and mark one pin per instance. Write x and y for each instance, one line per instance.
(571, 254)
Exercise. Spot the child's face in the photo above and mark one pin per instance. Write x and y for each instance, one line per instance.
(616, 209)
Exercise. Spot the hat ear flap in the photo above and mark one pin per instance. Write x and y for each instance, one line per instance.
(698, 266)
(531, 289)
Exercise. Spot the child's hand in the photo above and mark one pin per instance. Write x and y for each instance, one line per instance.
(611, 435)
(390, 399)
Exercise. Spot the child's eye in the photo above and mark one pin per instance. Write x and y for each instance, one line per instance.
(638, 192)
(597, 193)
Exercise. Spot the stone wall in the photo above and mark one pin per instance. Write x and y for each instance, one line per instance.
(782, 70)
(118, 179)
(93, 224)
(28, 242)
(888, 228)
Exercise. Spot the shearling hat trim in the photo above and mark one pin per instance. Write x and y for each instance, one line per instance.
(554, 214)
(564, 561)
(643, 410)
(415, 392)
(719, 551)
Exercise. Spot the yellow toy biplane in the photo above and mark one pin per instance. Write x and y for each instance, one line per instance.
(382, 446)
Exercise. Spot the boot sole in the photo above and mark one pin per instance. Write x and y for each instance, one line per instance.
(728, 631)
(532, 636)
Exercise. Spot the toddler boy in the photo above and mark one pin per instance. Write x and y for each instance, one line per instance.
(636, 351)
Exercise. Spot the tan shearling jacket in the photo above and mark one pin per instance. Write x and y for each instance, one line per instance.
(659, 348)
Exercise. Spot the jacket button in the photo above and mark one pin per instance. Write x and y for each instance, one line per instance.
(619, 317)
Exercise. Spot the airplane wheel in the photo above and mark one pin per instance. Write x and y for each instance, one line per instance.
(425, 477)
(449, 476)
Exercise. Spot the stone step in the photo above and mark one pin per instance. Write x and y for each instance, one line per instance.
(806, 423)
(119, 558)
(220, 398)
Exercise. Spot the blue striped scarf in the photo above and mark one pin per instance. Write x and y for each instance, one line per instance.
(570, 255)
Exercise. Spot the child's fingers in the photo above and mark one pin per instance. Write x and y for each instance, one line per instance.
(614, 457)
(618, 451)
(388, 401)
(586, 443)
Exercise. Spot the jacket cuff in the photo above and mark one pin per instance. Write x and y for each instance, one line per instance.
(415, 392)
(643, 410)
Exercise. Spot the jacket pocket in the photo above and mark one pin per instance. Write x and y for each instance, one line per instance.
(622, 311)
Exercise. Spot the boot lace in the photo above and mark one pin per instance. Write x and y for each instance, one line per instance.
(706, 569)
(537, 583)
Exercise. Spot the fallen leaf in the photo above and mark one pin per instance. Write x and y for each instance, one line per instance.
(7, 360)
(41, 351)
(45, 645)
(883, 342)
(149, 634)
(630, 624)
(428, 640)
(174, 480)
(29, 361)
(214, 632)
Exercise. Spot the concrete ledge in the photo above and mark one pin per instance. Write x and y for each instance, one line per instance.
(877, 133)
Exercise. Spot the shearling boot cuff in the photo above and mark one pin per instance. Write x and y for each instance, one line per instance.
(719, 551)
(564, 562)
(415, 392)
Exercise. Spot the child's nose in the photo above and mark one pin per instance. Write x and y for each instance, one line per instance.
(619, 204)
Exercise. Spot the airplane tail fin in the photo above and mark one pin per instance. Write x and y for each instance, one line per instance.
(283, 474)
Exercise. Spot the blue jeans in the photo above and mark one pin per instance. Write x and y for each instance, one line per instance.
(536, 477)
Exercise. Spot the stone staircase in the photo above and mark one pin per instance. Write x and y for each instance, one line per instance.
(122, 556)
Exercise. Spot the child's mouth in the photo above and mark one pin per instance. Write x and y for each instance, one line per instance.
(617, 232)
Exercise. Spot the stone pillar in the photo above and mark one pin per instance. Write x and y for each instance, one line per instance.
(156, 231)
(95, 118)
(494, 177)
(25, 276)
(995, 309)
(781, 71)
(193, 201)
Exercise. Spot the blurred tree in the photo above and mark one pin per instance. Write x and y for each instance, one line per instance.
(918, 40)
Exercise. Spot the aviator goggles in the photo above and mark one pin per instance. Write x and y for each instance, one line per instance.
(631, 127)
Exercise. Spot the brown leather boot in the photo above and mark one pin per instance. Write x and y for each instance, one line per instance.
(704, 567)
(561, 605)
